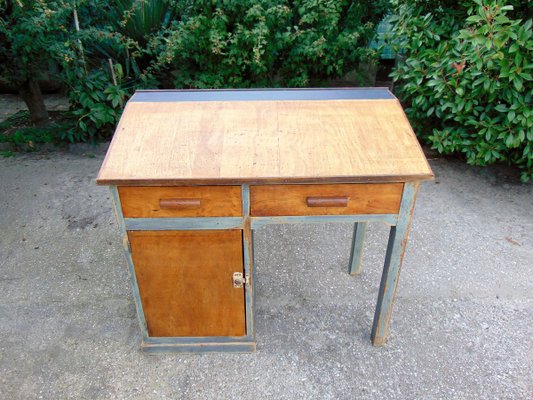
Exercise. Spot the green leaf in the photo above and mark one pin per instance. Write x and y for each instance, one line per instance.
(474, 18)
(518, 59)
(527, 25)
(509, 140)
(514, 47)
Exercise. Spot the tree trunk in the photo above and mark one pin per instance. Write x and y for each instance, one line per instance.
(32, 96)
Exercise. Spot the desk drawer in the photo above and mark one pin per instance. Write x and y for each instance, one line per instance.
(338, 199)
(185, 201)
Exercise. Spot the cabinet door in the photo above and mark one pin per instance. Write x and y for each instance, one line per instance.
(185, 281)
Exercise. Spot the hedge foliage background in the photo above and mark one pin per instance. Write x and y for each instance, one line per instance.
(463, 71)
(466, 77)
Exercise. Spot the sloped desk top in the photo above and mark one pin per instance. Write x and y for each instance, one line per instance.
(263, 136)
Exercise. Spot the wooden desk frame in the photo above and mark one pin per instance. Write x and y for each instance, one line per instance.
(399, 231)
(194, 173)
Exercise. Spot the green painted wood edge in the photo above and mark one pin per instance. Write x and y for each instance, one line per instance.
(135, 287)
(197, 340)
(391, 269)
(237, 347)
(247, 261)
(266, 94)
(259, 222)
(183, 224)
(356, 254)
(246, 200)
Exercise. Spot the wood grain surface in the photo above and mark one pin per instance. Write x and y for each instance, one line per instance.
(185, 281)
(225, 142)
(284, 200)
(153, 202)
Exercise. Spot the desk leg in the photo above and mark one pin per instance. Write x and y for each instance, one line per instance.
(357, 248)
(393, 262)
(248, 255)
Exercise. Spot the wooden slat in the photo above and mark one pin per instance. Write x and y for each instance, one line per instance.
(247, 250)
(356, 253)
(117, 207)
(393, 264)
(237, 347)
(260, 222)
(188, 224)
(185, 281)
(150, 202)
(226, 142)
(278, 200)
(197, 340)
(263, 94)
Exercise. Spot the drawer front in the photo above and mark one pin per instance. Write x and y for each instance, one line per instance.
(338, 199)
(183, 201)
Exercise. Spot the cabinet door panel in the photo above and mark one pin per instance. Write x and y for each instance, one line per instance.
(185, 281)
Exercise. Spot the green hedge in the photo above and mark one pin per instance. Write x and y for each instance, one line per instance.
(252, 43)
(465, 75)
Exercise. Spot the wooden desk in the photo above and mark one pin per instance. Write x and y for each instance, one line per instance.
(193, 173)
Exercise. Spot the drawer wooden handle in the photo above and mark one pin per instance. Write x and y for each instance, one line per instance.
(178, 204)
(327, 201)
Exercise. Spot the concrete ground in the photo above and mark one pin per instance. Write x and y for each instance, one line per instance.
(461, 328)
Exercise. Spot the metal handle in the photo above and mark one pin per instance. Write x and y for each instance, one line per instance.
(239, 280)
(327, 201)
(179, 203)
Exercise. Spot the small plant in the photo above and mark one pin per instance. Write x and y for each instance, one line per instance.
(97, 104)
(20, 132)
(17, 119)
(467, 82)
(103, 62)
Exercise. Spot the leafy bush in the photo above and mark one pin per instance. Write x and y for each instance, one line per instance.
(35, 34)
(29, 34)
(251, 43)
(466, 77)
(103, 62)
(96, 103)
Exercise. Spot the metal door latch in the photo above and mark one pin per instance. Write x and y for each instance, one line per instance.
(126, 243)
(239, 280)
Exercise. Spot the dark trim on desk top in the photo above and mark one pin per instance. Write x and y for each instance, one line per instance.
(149, 96)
